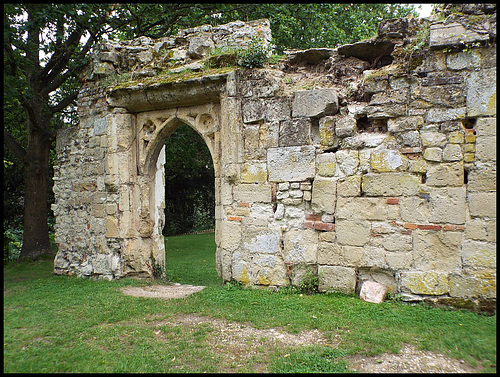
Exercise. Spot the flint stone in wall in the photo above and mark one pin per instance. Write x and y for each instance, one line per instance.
(315, 103)
(337, 279)
(293, 164)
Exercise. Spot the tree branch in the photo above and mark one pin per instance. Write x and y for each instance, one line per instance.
(13, 145)
(66, 101)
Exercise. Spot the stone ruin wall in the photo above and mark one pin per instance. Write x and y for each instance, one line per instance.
(355, 163)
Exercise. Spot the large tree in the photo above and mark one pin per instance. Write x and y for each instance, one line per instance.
(46, 46)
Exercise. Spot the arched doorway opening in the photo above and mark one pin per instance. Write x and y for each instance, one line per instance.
(189, 209)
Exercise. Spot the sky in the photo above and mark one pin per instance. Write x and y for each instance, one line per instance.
(425, 11)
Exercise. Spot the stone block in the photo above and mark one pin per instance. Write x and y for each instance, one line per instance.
(361, 208)
(452, 152)
(414, 209)
(445, 174)
(291, 163)
(345, 126)
(111, 227)
(337, 279)
(408, 123)
(347, 161)
(486, 127)
(300, 246)
(443, 115)
(293, 132)
(326, 164)
(477, 254)
(390, 184)
(354, 233)
(425, 282)
(486, 149)
(482, 93)
(315, 103)
(253, 172)
(452, 34)
(482, 180)
(436, 250)
(473, 284)
(373, 292)
(349, 186)
(260, 240)
(482, 204)
(327, 134)
(252, 192)
(386, 160)
(433, 139)
(324, 195)
(481, 230)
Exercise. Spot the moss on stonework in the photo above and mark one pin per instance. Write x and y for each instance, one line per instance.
(169, 77)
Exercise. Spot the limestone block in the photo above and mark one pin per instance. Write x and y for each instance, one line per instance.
(436, 250)
(482, 93)
(386, 160)
(331, 253)
(327, 134)
(252, 192)
(463, 60)
(473, 284)
(482, 180)
(443, 115)
(414, 209)
(374, 257)
(326, 165)
(111, 227)
(102, 264)
(425, 282)
(373, 292)
(433, 139)
(482, 204)
(291, 163)
(354, 233)
(417, 166)
(452, 152)
(253, 172)
(410, 138)
(433, 154)
(361, 208)
(300, 246)
(445, 174)
(398, 242)
(454, 33)
(390, 184)
(337, 279)
(315, 103)
(349, 186)
(260, 240)
(479, 254)
(486, 127)
(447, 205)
(486, 149)
(345, 126)
(293, 132)
(347, 161)
(324, 195)
(407, 123)
(398, 261)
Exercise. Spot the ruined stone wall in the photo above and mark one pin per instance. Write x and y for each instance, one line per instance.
(372, 161)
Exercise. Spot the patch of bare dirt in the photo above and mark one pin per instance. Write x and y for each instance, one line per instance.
(410, 360)
(243, 342)
(162, 291)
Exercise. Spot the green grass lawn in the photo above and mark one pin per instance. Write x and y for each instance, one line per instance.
(67, 324)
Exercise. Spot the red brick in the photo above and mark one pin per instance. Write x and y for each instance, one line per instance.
(392, 200)
(309, 224)
(313, 217)
(429, 227)
(323, 226)
(410, 226)
(243, 204)
(234, 218)
(453, 227)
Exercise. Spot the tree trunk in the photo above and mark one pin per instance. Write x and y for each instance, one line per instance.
(36, 175)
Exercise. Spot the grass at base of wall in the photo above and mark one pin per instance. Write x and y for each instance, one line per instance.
(67, 324)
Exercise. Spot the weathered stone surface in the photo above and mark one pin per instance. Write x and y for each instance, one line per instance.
(436, 250)
(337, 279)
(478, 254)
(386, 160)
(425, 282)
(326, 164)
(390, 184)
(324, 195)
(452, 34)
(482, 204)
(315, 103)
(373, 292)
(353, 233)
(291, 163)
(482, 93)
(300, 246)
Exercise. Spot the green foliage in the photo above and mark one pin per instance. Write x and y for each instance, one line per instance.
(255, 55)
(12, 242)
(46, 331)
(189, 184)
